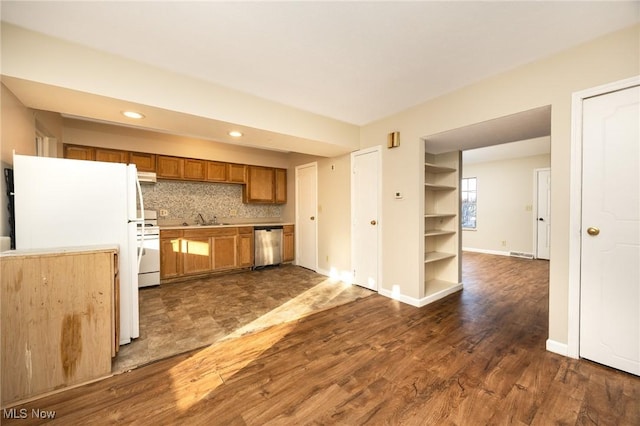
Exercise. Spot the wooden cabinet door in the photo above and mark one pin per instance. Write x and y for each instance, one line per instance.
(111, 155)
(144, 162)
(170, 167)
(75, 152)
(280, 186)
(236, 173)
(197, 255)
(260, 185)
(216, 171)
(288, 244)
(245, 247)
(170, 254)
(195, 169)
(225, 252)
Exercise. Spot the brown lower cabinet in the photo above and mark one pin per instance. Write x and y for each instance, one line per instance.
(186, 252)
(60, 320)
(288, 246)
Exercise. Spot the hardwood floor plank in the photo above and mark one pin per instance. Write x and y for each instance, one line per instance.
(475, 357)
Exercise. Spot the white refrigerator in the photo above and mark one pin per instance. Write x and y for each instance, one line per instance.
(67, 203)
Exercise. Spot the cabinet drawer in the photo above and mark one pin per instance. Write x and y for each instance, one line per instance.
(209, 232)
(245, 230)
(171, 233)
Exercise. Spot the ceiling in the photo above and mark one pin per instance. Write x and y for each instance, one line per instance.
(351, 61)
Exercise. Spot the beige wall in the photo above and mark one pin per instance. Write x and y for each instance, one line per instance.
(550, 81)
(18, 132)
(505, 202)
(73, 68)
(546, 82)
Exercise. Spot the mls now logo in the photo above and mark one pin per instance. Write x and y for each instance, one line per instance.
(23, 413)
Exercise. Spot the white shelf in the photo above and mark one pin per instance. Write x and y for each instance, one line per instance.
(435, 187)
(434, 256)
(434, 168)
(437, 232)
(439, 215)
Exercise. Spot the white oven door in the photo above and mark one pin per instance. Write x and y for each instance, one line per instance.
(149, 273)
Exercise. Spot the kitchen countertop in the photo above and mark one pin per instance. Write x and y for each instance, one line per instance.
(225, 225)
(59, 250)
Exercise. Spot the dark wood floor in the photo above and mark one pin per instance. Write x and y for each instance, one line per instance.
(477, 357)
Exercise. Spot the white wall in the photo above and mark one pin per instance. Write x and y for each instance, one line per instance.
(550, 81)
(18, 132)
(504, 204)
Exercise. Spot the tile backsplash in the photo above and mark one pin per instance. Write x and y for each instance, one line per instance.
(184, 200)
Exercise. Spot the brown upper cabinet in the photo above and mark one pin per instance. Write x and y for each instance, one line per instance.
(195, 169)
(144, 162)
(281, 186)
(216, 171)
(265, 185)
(237, 173)
(111, 155)
(170, 167)
(79, 152)
(260, 185)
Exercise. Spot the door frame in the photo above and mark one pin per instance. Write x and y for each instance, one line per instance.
(535, 209)
(313, 165)
(378, 150)
(575, 211)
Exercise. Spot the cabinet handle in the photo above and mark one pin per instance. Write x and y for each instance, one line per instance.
(373, 222)
(312, 218)
(593, 231)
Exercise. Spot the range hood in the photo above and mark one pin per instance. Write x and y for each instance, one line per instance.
(147, 177)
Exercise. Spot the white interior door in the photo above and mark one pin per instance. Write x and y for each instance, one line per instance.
(306, 216)
(610, 267)
(365, 198)
(543, 213)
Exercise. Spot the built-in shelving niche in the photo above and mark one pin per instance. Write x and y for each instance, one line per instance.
(442, 260)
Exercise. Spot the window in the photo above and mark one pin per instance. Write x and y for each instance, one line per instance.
(469, 198)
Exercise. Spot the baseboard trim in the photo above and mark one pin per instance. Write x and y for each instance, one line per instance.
(485, 251)
(418, 303)
(557, 347)
(440, 295)
(323, 272)
(399, 297)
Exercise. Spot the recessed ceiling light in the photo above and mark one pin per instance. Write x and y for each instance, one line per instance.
(133, 114)
(235, 133)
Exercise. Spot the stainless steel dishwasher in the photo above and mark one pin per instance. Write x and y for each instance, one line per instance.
(268, 245)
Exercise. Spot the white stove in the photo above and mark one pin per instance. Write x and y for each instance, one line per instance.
(149, 272)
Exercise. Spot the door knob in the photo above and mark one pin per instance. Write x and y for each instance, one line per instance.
(593, 231)
(373, 222)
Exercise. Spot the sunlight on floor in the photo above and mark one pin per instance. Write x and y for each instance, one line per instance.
(285, 315)
(295, 308)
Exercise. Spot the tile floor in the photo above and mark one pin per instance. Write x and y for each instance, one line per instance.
(178, 317)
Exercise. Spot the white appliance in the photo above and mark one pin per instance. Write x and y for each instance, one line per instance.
(149, 271)
(62, 203)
